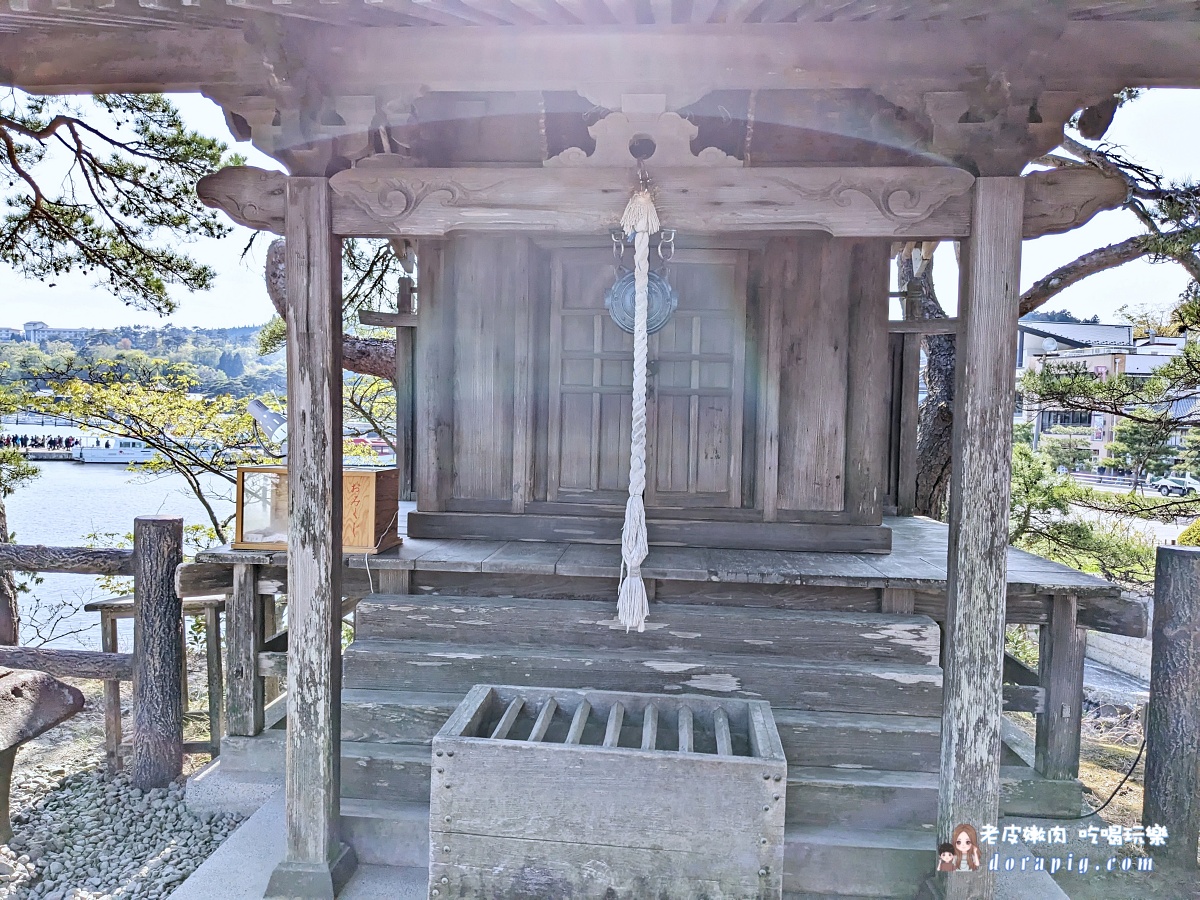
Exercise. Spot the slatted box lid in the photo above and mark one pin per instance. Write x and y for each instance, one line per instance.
(559, 793)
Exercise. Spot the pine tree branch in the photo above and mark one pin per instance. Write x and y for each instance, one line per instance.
(1083, 267)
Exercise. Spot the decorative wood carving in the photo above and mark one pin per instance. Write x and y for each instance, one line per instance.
(672, 135)
(1061, 199)
(250, 196)
(879, 202)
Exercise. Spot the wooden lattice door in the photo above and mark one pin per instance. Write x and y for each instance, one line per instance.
(696, 386)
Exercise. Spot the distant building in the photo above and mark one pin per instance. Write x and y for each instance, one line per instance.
(37, 332)
(1136, 359)
(1033, 337)
(8, 335)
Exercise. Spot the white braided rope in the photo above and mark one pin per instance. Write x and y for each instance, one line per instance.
(640, 220)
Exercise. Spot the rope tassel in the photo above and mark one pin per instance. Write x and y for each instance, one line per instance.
(639, 222)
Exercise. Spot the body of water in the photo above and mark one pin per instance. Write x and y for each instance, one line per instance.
(71, 500)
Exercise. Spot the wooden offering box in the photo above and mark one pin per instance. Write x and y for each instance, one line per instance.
(555, 793)
(370, 509)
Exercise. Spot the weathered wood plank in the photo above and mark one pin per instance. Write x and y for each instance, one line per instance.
(929, 202)
(662, 532)
(850, 687)
(979, 501)
(1023, 698)
(516, 622)
(75, 560)
(813, 378)
(70, 663)
(902, 743)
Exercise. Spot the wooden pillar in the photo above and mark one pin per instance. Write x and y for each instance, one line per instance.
(157, 651)
(243, 641)
(969, 789)
(405, 415)
(434, 372)
(1060, 674)
(1173, 719)
(316, 863)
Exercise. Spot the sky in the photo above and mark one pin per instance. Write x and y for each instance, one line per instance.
(1158, 129)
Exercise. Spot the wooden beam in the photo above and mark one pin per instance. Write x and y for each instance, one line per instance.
(600, 63)
(893, 202)
(387, 319)
(76, 560)
(316, 863)
(1016, 672)
(969, 787)
(923, 326)
(70, 663)
(1061, 199)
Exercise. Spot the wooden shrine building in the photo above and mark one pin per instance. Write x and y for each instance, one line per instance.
(789, 145)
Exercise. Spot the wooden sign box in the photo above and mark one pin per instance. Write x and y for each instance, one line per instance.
(370, 509)
(542, 792)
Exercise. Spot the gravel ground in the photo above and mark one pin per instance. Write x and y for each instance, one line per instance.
(89, 836)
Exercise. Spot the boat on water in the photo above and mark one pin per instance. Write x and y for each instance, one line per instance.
(115, 450)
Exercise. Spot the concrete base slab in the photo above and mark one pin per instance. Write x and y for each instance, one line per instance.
(241, 868)
(216, 789)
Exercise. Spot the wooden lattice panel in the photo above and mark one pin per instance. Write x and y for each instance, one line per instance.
(556, 793)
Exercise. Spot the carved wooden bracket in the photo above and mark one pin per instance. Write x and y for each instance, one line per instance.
(670, 133)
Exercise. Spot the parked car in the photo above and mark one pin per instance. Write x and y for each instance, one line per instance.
(1183, 485)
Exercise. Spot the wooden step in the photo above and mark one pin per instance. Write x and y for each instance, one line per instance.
(862, 798)
(398, 773)
(842, 863)
(395, 717)
(815, 796)
(846, 687)
(896, 742)
(849, 862)
(893, 742)
(590, 624)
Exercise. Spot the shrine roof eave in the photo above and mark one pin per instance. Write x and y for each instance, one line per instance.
(899, 57)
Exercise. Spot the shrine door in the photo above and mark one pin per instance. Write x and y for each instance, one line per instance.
(695, 385)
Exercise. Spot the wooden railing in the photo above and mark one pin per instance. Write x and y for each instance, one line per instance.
(255, 585)
(155, 667)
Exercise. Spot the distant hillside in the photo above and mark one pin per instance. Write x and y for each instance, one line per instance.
(222, 360)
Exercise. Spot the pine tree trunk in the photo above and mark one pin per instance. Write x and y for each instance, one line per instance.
(10, 617)
(936, 418)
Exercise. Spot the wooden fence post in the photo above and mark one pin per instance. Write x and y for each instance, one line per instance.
(1172, 797)
(1060, 673)
(157, 652)
(243, 641)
